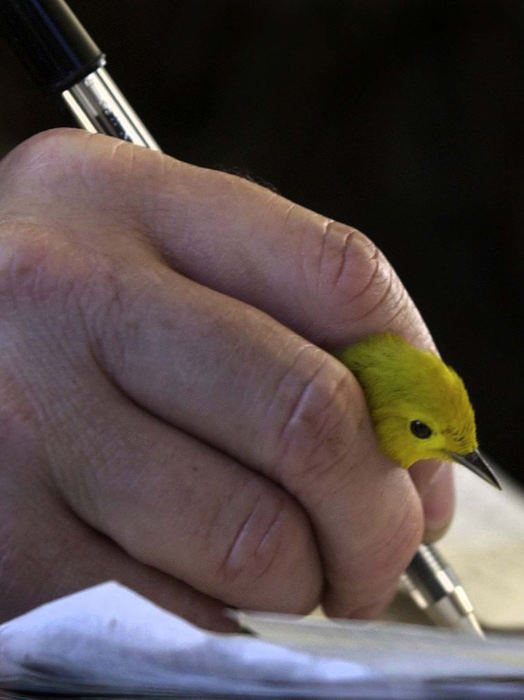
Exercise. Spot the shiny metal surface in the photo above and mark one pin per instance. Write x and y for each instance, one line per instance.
(435, 588)
(99, 107)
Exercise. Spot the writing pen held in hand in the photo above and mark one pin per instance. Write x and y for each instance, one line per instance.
(435, 588)
(63, 59)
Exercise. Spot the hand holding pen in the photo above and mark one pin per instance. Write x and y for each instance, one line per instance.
(184, 432)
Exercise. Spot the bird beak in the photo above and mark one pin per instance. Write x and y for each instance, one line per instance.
(478, 464)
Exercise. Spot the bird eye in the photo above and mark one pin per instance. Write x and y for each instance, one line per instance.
(420, 429)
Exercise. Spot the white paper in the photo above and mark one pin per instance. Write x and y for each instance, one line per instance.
(108, 636)
(485, 546)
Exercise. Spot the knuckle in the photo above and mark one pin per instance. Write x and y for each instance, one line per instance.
(23, 260)
(36, 268)
(335, 255)
(41, 157)
(115, 307)
(62, 170)
(355, 278)
(43, 253)
(51, 280)
(269, 562)
(316, 429)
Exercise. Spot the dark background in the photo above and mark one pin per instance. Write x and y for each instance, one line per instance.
(403, 118)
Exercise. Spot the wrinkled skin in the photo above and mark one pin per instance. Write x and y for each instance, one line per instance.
(170, 417)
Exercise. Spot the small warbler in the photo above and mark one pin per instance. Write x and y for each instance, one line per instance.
(419, 405)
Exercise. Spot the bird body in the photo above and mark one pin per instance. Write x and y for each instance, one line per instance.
(419, 405)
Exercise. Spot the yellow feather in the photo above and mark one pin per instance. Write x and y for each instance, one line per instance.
(403, 384)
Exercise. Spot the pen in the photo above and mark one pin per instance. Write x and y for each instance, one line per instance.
(63, 58)
(435, 588)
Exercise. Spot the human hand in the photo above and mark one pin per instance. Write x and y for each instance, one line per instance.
(168, 417)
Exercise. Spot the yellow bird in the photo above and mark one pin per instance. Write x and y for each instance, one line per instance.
(419, 405)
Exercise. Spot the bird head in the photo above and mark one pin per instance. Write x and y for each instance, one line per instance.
(418, 404)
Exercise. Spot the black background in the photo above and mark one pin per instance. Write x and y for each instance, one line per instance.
(403, 118)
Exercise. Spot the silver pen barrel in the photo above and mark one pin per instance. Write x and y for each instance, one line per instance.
(434, 587)
(99, 107)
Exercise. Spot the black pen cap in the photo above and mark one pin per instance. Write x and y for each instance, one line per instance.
(50, 41)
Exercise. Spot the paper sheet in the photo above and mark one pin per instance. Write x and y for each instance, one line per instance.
(485, 546)
(110, 637)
